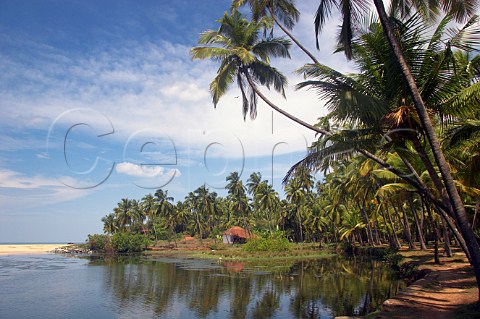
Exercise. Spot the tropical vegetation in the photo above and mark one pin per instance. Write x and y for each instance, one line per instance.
(398, 151)
(407, 119)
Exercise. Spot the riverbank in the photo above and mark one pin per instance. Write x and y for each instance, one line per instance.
(448, 291)
(27, 249)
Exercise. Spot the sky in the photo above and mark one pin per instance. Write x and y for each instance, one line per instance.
(101, 101)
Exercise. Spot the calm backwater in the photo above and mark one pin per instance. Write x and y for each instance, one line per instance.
(54, 286)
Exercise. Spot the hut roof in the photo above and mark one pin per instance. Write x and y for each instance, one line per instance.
(238, 231)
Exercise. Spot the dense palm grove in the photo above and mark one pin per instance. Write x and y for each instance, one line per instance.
(398, 150)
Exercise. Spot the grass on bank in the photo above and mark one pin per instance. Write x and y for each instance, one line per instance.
(255, 250)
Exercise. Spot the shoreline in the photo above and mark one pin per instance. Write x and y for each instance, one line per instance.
(28, 249)
(447, 291)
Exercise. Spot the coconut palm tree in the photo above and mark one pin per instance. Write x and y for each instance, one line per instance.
(109, 223)
(460, 10)
(296, 195)
(238, 197)
(375, 105)
(268, 202)
(283, 12)
(122, 213)
(205, 205)
(245, 58)
(166, 210)
(190, 204)
(462, 141)
(149, 208)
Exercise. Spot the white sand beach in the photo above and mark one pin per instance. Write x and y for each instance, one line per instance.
(26, 249)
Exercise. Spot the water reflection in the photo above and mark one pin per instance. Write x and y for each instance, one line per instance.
(202, 289)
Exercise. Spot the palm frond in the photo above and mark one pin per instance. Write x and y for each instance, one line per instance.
(324, 10)
(463, 104)
(223, 80)
(275, 47)
(466, 38)
(203, 53)
(268, 75)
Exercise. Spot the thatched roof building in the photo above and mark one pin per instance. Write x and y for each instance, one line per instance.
(236, 235)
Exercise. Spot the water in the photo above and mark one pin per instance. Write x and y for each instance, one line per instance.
(54, 286)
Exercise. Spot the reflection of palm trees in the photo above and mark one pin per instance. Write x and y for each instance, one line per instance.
(342, 286)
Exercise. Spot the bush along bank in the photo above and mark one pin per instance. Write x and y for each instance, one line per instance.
(408, 271)
(122, 242)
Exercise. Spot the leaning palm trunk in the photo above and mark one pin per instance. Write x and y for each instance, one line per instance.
(446, 240)
(290, 35)
(281, 111)
(454, 197)
(406, 229)
(417, 224)
(367, 225)
(436, 232)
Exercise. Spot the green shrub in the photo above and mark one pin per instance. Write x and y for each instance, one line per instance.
(268, 244)
(129, 242)
(408, 270)
(99, 243)
(393, 259)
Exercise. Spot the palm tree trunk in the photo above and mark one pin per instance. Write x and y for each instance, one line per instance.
(279, 110)
(446, 240)
(290, 35)
(436, 232)
(406, 228)
(457, 236)
(299, 224)
(477, 208)
(455, 200)
(417, 224)
(199, 227)
(394, 243)
(174, 237)
(394, 230)
(367, 225)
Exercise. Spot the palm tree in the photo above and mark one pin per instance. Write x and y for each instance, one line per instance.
(245, 59)
(295, 194)
(268, 202)
(191, 205)
(137, 216)
(166, 209)
(238, 197)
(463, 149)
(462, 10)
(253, 182)
(149, 208)
(122, 213)
(109, 223)
(368, 98)
(283, 12)
(205, 206)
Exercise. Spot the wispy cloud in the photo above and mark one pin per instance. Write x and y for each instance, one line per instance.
(19, 191)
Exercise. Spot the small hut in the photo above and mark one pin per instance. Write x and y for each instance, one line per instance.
(236, 235)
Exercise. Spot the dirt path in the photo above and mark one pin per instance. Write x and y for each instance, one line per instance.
(438, 295)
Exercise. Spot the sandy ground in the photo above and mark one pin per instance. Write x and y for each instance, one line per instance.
(438, 295)
(26, 249)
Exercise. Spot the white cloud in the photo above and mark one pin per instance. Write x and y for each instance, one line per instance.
(15, 187)
(156, 86)
(132, 169)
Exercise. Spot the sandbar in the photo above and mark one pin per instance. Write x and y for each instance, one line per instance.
(27, 249)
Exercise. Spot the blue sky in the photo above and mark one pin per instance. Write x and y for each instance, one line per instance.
(100, 101)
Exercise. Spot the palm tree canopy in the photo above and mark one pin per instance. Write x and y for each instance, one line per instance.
(284, 10)
(242, 53)
(354, 11)
(374, 106)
